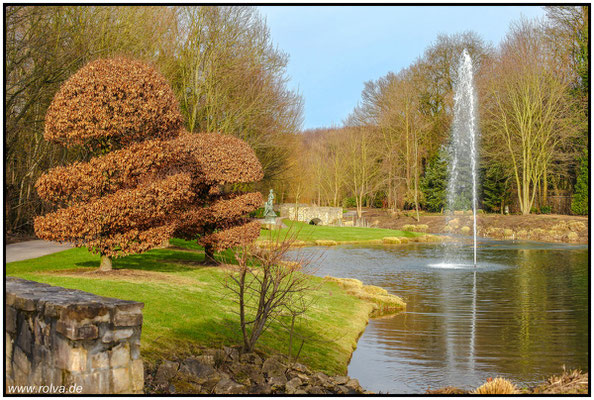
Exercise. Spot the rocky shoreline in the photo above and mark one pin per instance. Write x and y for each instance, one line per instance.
(543, 228)
(389, 240)
(226, 371)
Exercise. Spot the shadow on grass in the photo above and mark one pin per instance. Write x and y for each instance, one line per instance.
(163, 260)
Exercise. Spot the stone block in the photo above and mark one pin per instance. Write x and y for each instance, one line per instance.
(100, 381)
(133, 307)
(36, 377)
(10, 299)
(20, 377)
(8, 350)
(137, 375)
(120, 355)
(120, 380)
(96, 382)
(25, 302)
(74, 332)
(122, 318)
(41, 354)
(10, 319)
(107, 337)
(85, 312)
(21, 361)
(120, 334)
(39, 330)
(52, 376)
(135, 350)
(24, 336)
(69, 358)
(100, 361)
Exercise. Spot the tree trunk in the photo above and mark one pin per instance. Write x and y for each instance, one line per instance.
(545, 192)
(209, 255)
(359, 205)
(105, 263)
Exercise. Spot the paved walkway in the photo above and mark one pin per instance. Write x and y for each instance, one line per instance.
(32, 249)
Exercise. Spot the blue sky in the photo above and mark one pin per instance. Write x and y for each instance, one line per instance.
(333, 50)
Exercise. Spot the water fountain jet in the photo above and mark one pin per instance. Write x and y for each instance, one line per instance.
(462, 183)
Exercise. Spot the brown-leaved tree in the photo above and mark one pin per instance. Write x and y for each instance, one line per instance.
(148, 176)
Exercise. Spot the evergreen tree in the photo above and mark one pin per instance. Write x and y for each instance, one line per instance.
(434, 183)
(496, 188)
(579, 203)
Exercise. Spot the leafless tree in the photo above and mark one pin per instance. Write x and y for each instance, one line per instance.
(267, 287)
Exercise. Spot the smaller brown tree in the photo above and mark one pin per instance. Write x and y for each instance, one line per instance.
(217, 217)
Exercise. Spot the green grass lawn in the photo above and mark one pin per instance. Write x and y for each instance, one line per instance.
(310, 233)
(186, 304)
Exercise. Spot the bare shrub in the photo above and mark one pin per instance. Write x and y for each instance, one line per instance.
(267, 288)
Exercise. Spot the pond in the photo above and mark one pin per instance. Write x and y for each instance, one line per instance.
(521, 314)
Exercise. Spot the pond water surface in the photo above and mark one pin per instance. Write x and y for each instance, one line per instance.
(521, 314)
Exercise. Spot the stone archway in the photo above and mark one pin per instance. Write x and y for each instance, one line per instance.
(315, 221)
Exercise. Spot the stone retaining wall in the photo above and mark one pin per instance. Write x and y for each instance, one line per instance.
(57, 336)
(305, 213)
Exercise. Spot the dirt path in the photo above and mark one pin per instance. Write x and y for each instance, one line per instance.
(32, 249)
(547, 228)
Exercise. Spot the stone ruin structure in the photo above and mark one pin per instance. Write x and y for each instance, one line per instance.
(65, 337)
(311, 214)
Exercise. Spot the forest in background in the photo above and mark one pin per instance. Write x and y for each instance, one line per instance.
(229, 77)
(392, 151)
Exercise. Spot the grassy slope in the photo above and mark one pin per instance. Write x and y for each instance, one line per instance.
(186, 304)
(308, 232)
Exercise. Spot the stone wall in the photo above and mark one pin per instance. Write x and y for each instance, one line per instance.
(306, 213)
(57, 336)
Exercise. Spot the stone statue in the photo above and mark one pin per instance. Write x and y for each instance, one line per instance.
(268, 210)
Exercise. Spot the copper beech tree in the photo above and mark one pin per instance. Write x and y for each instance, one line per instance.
(150, 180)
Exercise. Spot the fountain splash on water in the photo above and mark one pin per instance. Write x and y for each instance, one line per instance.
(462, 184)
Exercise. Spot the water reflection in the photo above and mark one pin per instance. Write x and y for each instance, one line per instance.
(521, 314)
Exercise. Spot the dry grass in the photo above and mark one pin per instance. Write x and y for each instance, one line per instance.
(127, 275)
(447, 390)
(323, 242)
(421, 228)
(454, 223)
(346, 283)
(383, 302)
(522, 234)
(577, 226)
(572, 382)
(496, 386)
(391, 240)
(572, 237)
(415, 228)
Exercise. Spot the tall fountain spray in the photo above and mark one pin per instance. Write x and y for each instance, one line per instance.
(462, 185)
